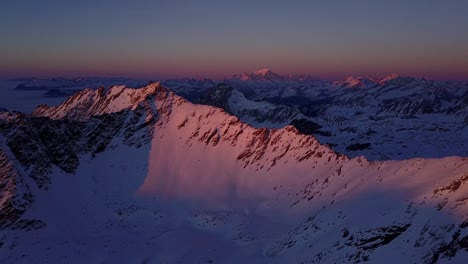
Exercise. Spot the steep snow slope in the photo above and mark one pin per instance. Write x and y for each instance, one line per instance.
(163, 180)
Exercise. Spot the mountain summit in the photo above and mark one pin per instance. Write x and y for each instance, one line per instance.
(355, 82)
(262, 74)
(389, 77)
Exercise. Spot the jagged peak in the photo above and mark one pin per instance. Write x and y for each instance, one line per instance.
(395, 79)
(389, 77)
(159, 101)
(264, 72)
(90, 102)
(354, 82)
(261, 74)
(175, 112)
(353, 78)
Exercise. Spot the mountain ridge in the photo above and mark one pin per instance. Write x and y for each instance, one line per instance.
(267, 195)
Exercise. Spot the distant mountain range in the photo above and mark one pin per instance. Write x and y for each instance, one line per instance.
(391, 118)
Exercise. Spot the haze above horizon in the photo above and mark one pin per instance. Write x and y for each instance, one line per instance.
(171, 39)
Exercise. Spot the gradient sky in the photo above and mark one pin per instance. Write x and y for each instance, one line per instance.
(163, 39)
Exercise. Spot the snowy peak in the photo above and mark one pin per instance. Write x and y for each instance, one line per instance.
(354, 82)
(363, 82)
(389, 78)
(400, 81)
(88, 102)
(201, 123)
(262, 74)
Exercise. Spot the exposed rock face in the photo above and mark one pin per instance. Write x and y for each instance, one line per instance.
(15, 197)
(218, 96)
(38, 143)
(261, 114)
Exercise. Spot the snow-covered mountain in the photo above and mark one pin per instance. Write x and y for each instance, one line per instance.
(399, 118)
(393, 113)
(259, 75)
(393, 117)
(144, 176)
(355, 82)
(264, 83)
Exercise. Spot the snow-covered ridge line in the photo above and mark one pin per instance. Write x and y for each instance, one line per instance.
(89, 102)
(161, 103)
(155, 98)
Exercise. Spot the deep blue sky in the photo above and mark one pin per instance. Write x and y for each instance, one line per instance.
(329, 39)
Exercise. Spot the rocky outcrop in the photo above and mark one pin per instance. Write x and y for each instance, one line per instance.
(39, 143)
